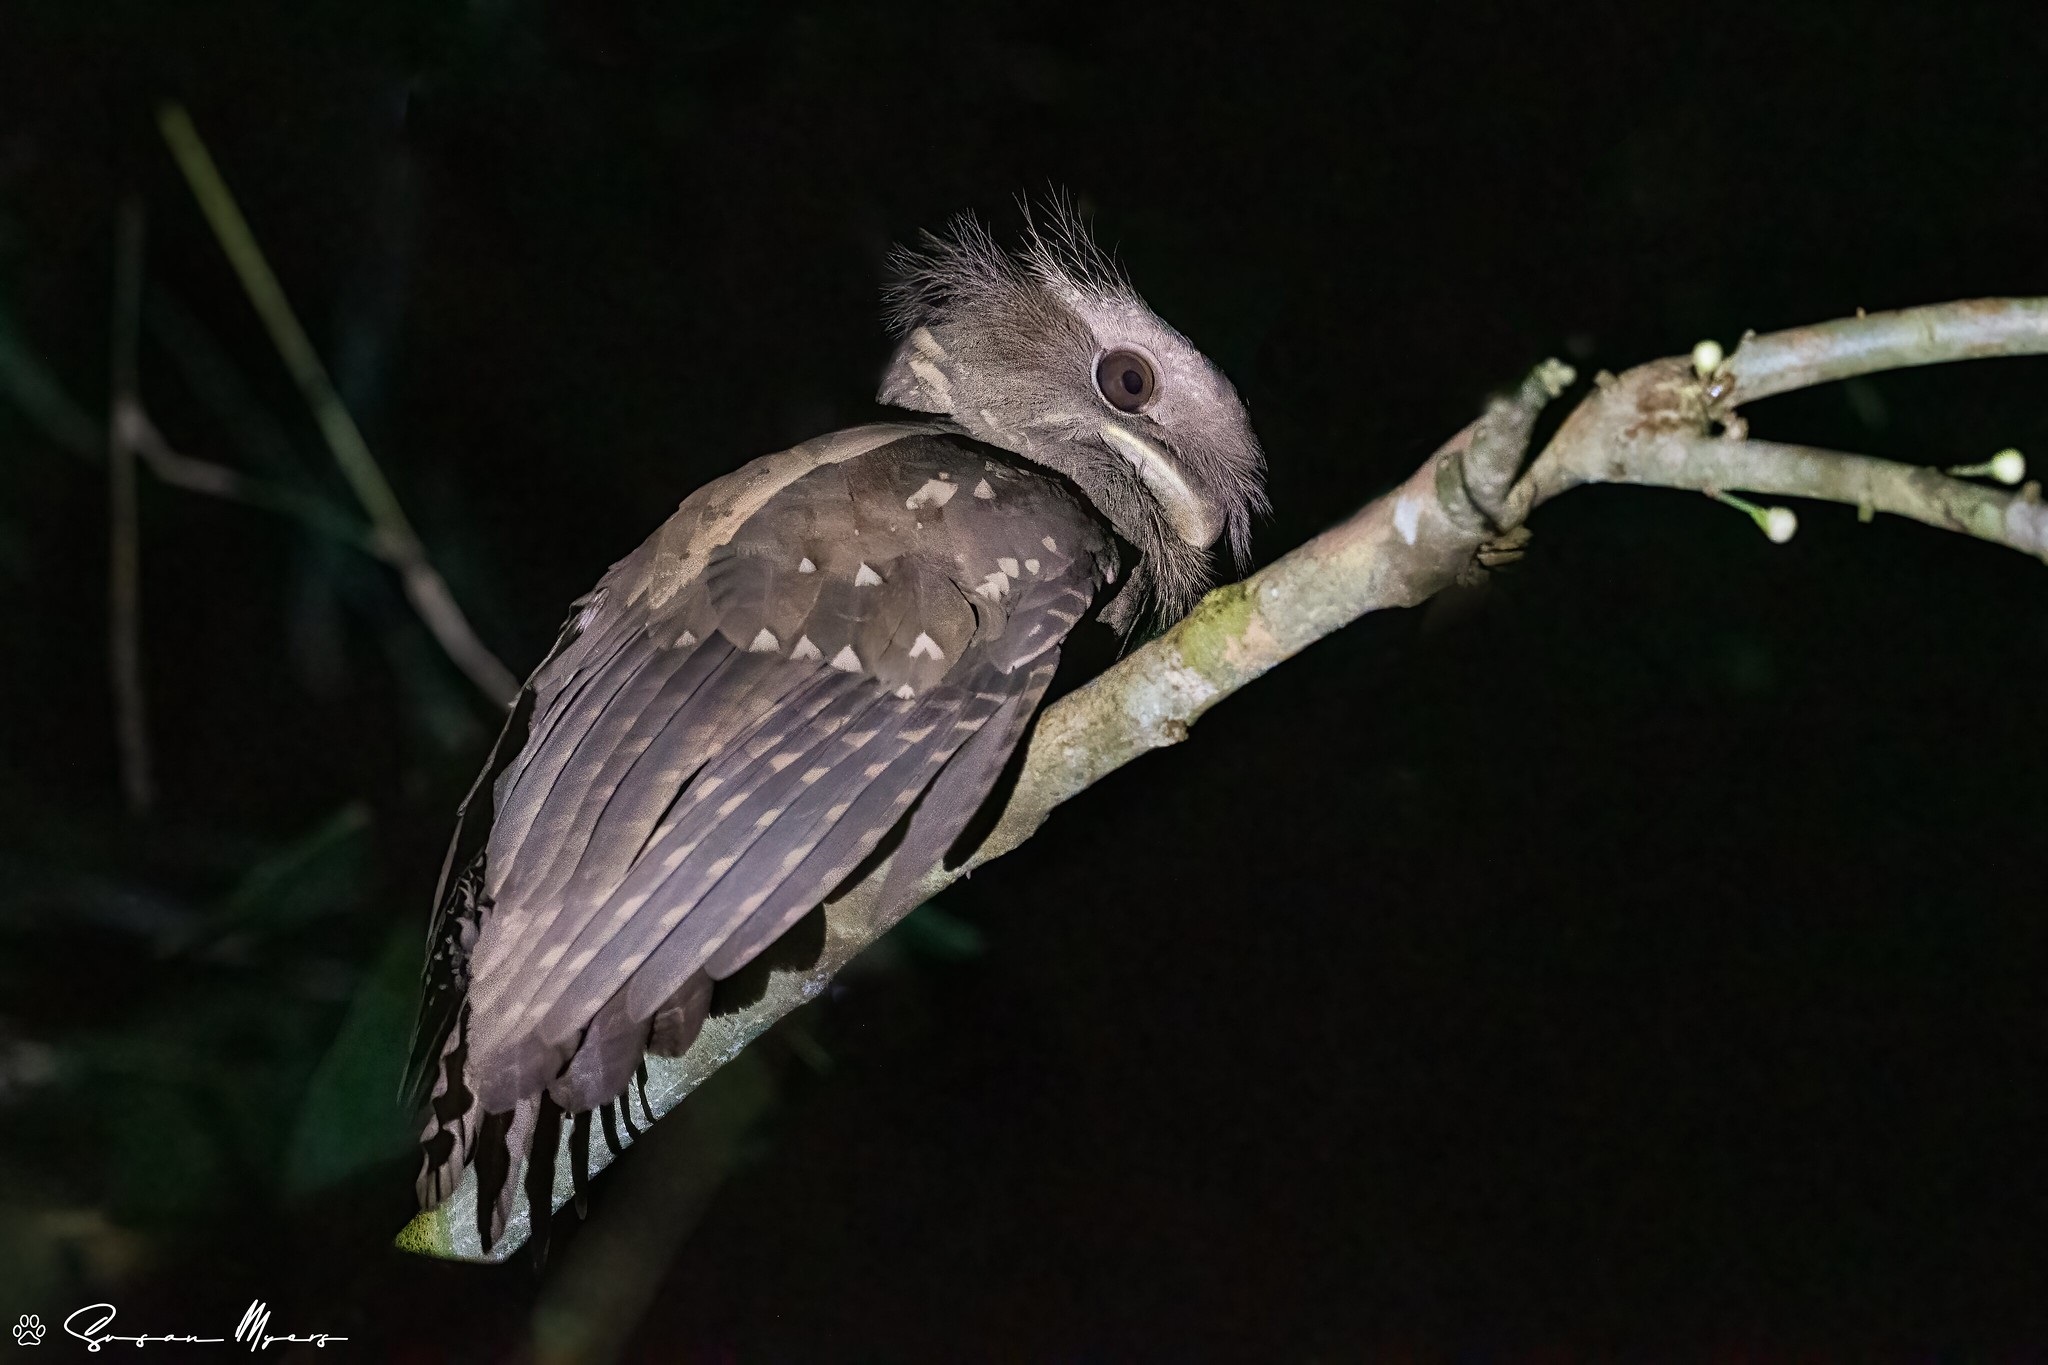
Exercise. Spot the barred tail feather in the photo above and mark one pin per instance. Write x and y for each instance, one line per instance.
(516, 1150)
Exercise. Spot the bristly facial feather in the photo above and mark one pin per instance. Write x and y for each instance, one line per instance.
(1047, 351)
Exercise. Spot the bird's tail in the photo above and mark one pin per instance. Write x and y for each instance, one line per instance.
(518, 1148)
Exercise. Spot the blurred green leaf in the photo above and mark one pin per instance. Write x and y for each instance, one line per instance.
(225, 1082)
(350, 1117)
(30, 385)
(318, 875)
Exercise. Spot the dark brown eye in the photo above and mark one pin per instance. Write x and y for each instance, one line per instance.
(1125, 378)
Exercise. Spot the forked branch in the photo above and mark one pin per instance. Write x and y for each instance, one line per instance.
(1663, 424)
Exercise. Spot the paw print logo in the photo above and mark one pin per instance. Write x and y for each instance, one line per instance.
(29, 1331)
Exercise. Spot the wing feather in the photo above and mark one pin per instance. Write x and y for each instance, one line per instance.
(726, 733)
(861, 798)
(742, 693)
(614, 935)
(607, 750)
(957, 792)
(560, 726)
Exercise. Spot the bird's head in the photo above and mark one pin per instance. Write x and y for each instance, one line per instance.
(1049, 352)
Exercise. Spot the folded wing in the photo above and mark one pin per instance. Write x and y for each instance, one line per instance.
(709, 759)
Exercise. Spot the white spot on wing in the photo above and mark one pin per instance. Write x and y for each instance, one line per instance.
(1050, 544)
(923, 645)
(764, 642)
(813, 774)
(866, 577)
(781, 761)
(805, 649)
(935, 492)
(906, 692)
(804, 565)
(846, 661)
(1007, 565)
(982, 490)
(1031, 565)
(686, 640)
(994, 586)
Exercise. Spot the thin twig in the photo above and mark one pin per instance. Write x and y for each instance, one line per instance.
(394, 532)
(124, 563)
(1800, 357)
(70, 428)
(2016, 520)
(194, 475)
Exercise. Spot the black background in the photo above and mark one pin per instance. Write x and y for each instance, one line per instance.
(1652, 957)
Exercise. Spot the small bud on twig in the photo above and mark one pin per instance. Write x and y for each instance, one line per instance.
(1779, 524)
(1706, 358)
(2008, 466)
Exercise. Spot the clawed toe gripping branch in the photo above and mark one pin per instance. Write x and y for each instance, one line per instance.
(1672, 423)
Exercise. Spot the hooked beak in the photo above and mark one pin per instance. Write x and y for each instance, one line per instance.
(1194, 516)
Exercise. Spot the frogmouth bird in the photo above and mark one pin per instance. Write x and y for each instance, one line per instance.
(829, 652)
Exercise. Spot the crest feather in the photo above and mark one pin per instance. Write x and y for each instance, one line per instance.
(963, 270)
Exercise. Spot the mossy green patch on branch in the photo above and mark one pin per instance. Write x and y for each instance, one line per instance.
(1218, 621)
(425, 1235)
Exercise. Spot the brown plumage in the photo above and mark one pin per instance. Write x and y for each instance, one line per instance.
(829, 647)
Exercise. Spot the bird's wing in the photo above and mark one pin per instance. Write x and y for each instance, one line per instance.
(717, 751)
(647, 579)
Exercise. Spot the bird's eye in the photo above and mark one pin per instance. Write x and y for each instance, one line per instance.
(1125, 378)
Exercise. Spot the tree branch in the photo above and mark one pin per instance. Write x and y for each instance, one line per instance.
(124, 551)
(1801, 357)
(398, 542)
(1653, 426)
